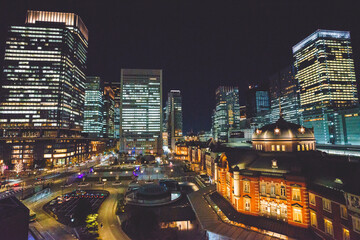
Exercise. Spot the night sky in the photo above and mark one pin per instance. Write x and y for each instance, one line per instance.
(198, 44)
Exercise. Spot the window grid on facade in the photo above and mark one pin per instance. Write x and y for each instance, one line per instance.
(328, 227)
(313, 219)
(296, 194)
(326, 204)
(343, 212)
(297, 215)
(356, 224)
(346, 234)
(246, 186)
(312, 200)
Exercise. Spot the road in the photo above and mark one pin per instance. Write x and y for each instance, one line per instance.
(111, 229)
(48, 227)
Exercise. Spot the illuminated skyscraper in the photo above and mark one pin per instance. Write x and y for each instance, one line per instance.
(174, 118)
(115, 86)
(93, 114)
(257, 101)
(284, 90)
(227, 112)
(141, 111)
(43, 87)
(108, 112)
(325, 70)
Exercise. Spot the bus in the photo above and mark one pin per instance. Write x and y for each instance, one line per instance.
(32, 216)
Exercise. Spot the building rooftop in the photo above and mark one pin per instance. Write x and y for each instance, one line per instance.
(331, 171)
(69, 19)
(321, 33)
(211, 222)
(283, 130)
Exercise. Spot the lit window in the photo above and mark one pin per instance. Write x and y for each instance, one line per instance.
(298, 148)
(278, 148)
(283, 191)
(346, 234)
(272, 190)
(247, 204)
(313, 219)
(328, 227)
(263, 188)
(312, 200)
(246, 186)
(356, 224)
(343, 212)
(297, 215)
(326, 204)
(296, 194)
(283, 148)
(272, 147)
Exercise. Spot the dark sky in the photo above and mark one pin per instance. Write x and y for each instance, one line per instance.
(198, 44)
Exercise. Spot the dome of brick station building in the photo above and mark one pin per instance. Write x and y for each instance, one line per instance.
(283, 136)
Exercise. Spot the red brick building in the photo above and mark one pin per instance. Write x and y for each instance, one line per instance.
(285, 179)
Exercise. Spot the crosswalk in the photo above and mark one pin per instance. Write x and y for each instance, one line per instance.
(9, 193)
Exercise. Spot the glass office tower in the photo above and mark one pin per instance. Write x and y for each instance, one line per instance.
(227, 112)
(325, 70)
(43, 87)
(141, 111)
(174, 118)
(108, 112)
(93, 113)
(284, 94)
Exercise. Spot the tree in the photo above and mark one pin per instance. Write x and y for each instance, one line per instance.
(82, 210)
(18, 167)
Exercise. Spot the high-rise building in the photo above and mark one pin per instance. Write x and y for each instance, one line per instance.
(257, 101)
(284, 95)
(141, 111)
(174, 118)
(43, 89)
(93, 113)
(227, 112)
(324, 69)
(109, 112)
(116, 88)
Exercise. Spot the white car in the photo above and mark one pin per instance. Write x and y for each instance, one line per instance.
(116, 183)
(83, 184)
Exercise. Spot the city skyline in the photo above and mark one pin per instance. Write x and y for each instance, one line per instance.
(196, 49)
(99, 103)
